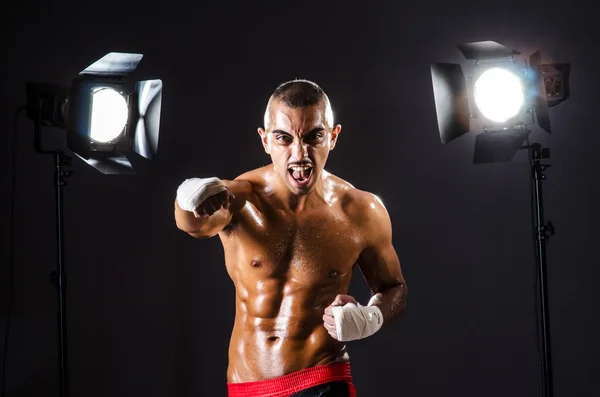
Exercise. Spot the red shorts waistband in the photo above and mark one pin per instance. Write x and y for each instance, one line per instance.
(286, 385)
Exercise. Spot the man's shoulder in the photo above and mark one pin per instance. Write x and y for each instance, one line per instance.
(351, 194)
(246, 183)
(359, 204)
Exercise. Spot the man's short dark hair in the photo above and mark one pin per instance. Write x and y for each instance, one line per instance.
(299, 93)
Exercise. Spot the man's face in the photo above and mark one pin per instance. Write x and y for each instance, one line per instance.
(299, 141)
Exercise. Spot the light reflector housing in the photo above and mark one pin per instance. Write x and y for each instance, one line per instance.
(104, 114)
(463, 103)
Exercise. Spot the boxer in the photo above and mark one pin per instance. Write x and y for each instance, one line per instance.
(292, 233)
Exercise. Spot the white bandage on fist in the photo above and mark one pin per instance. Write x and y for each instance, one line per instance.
(192, 192)
(354, 321)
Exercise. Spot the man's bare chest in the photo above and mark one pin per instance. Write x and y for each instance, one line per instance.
(316, 245)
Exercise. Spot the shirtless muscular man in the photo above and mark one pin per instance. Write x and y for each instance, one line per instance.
(292, 233)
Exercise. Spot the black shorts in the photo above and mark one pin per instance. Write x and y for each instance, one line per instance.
(331, 389)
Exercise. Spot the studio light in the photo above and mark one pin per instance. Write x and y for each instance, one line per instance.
(499, 97)
(106, 116)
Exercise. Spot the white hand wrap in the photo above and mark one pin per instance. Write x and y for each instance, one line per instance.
(354, 321)
(192, 192)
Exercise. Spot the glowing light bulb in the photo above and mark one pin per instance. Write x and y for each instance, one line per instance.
(498, 94)
(109, 115)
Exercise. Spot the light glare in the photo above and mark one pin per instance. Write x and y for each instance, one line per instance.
(498, 94)
(109, 115)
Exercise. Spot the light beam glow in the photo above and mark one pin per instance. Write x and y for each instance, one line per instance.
(498, 94)
(109, 115)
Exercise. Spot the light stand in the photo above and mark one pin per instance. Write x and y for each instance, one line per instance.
(542, 232)
(138, 109)
(501, 146)
(58, 277)
(462, 106)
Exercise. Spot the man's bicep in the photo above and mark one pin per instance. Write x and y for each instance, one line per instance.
(379, 261)
(380, 267)
(241, 190)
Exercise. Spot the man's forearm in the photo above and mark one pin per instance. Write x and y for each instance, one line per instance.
(203, 227)
(186, 221)
(391, 301)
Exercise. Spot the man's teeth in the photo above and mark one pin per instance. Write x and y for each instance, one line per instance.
(301, 168)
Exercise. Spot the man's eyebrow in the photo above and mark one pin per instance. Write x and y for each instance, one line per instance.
(318, 129)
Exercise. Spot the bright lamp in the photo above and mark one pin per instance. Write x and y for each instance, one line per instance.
(497, 93)
(109, 115)
(106, 116)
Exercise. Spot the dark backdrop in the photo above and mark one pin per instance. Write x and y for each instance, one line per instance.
(150, 308)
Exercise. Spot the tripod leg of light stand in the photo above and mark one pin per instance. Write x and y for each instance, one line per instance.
(59, 277)
(541, 230)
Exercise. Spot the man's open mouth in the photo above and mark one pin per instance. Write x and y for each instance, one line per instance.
(300, 173)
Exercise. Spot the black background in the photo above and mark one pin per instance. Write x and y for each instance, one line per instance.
(150, 309)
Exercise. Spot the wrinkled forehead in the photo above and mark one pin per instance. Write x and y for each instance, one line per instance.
(282, 117)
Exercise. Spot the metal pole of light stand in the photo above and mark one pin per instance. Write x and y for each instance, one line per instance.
(58, 277)
(542, 232)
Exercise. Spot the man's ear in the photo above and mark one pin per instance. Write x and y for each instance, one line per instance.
(335, 132)
(263, 138)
